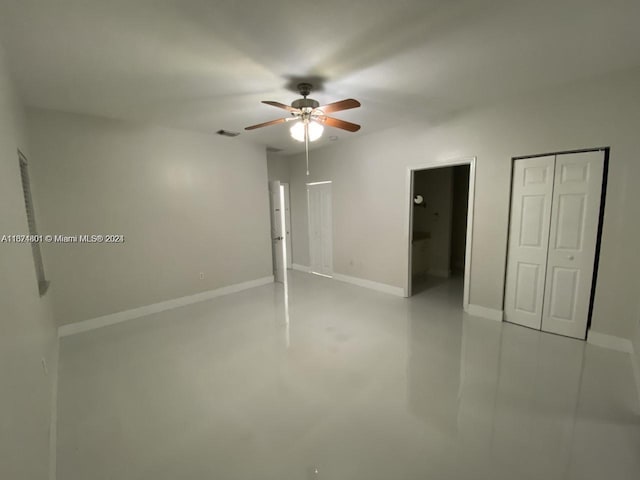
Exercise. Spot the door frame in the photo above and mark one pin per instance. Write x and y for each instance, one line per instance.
(277, 217)
(287, 214)
(471, 161)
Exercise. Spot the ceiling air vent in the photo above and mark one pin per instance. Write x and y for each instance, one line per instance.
(227, 133)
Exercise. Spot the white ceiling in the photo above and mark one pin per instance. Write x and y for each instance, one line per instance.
(206, 64)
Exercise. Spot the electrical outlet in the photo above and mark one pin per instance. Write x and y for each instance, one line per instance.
(201, 275)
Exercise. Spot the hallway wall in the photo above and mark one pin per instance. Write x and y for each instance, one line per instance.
(28, 337)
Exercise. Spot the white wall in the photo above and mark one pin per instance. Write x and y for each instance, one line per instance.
(27, 329)
(185, 202)
(278, 167)
(636, 347)
(369, 187)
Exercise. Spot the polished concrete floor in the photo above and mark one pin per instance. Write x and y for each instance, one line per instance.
(355, 385)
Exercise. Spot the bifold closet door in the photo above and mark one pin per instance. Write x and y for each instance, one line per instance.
(575, 215)
(532, 193)
(555, 212)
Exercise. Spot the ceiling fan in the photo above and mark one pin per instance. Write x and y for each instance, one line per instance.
(311, 117)
(308, 110)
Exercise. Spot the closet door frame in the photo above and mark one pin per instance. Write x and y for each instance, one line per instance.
(606, 153)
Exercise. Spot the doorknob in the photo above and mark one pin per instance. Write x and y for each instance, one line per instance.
(570, 257)
(277, 238)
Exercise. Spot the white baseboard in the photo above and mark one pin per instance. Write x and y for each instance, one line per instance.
(361, 282)
(114, 318)
(609, 341)
(484, 312)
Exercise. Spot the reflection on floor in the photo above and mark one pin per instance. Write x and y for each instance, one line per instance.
(366, 386)
(421, 283)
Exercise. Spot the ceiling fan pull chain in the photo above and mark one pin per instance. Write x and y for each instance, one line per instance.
(306, 144)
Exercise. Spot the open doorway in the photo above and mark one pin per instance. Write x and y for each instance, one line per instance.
(440, 221)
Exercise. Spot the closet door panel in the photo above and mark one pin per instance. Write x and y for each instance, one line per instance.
(575, 214)
(531, 197)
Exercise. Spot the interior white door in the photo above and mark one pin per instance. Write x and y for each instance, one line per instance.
(320, 228)
(575, 215)
(287, 213)
(531, 197)
(276, 232)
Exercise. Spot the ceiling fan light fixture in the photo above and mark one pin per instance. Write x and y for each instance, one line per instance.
(315, 131)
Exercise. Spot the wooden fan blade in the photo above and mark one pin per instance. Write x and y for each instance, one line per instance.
(266, 124)
(341, 105)
(334, 122)
(282, 106)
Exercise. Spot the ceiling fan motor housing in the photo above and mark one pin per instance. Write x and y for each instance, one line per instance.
(303, 103)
